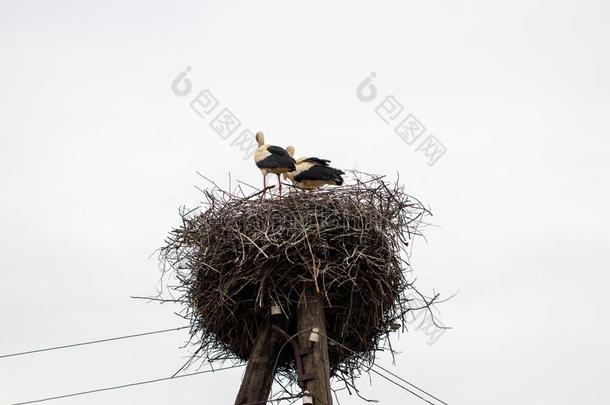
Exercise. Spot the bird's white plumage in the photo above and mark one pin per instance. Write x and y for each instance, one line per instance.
(271, 159)
(301, 166)
(260, 154)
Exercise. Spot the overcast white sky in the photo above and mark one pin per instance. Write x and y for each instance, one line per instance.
(97, 153)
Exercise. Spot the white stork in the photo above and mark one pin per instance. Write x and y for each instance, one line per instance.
(312, 173)
(272, 159)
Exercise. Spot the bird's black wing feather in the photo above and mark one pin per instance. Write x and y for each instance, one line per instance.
(277, 150)
(318, 161)
(321, 173)
(276, 161)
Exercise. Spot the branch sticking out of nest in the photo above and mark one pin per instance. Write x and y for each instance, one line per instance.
(239, 255)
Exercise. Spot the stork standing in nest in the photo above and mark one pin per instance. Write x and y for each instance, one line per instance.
(272, 159)
(312, 173)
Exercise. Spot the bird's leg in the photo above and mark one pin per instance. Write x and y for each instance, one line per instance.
(264, 185)
(279, 183)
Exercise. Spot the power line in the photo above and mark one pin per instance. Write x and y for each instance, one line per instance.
(395, 375)
(116, 387)
(412, 385)
(402, 386)
(92, 342)
(195, 373)
(272, 400)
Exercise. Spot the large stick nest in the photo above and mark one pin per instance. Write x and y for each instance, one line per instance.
(237, 256)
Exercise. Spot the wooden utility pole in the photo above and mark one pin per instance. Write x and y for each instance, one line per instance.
(311, 355)
(310, 316)
(259, 375)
